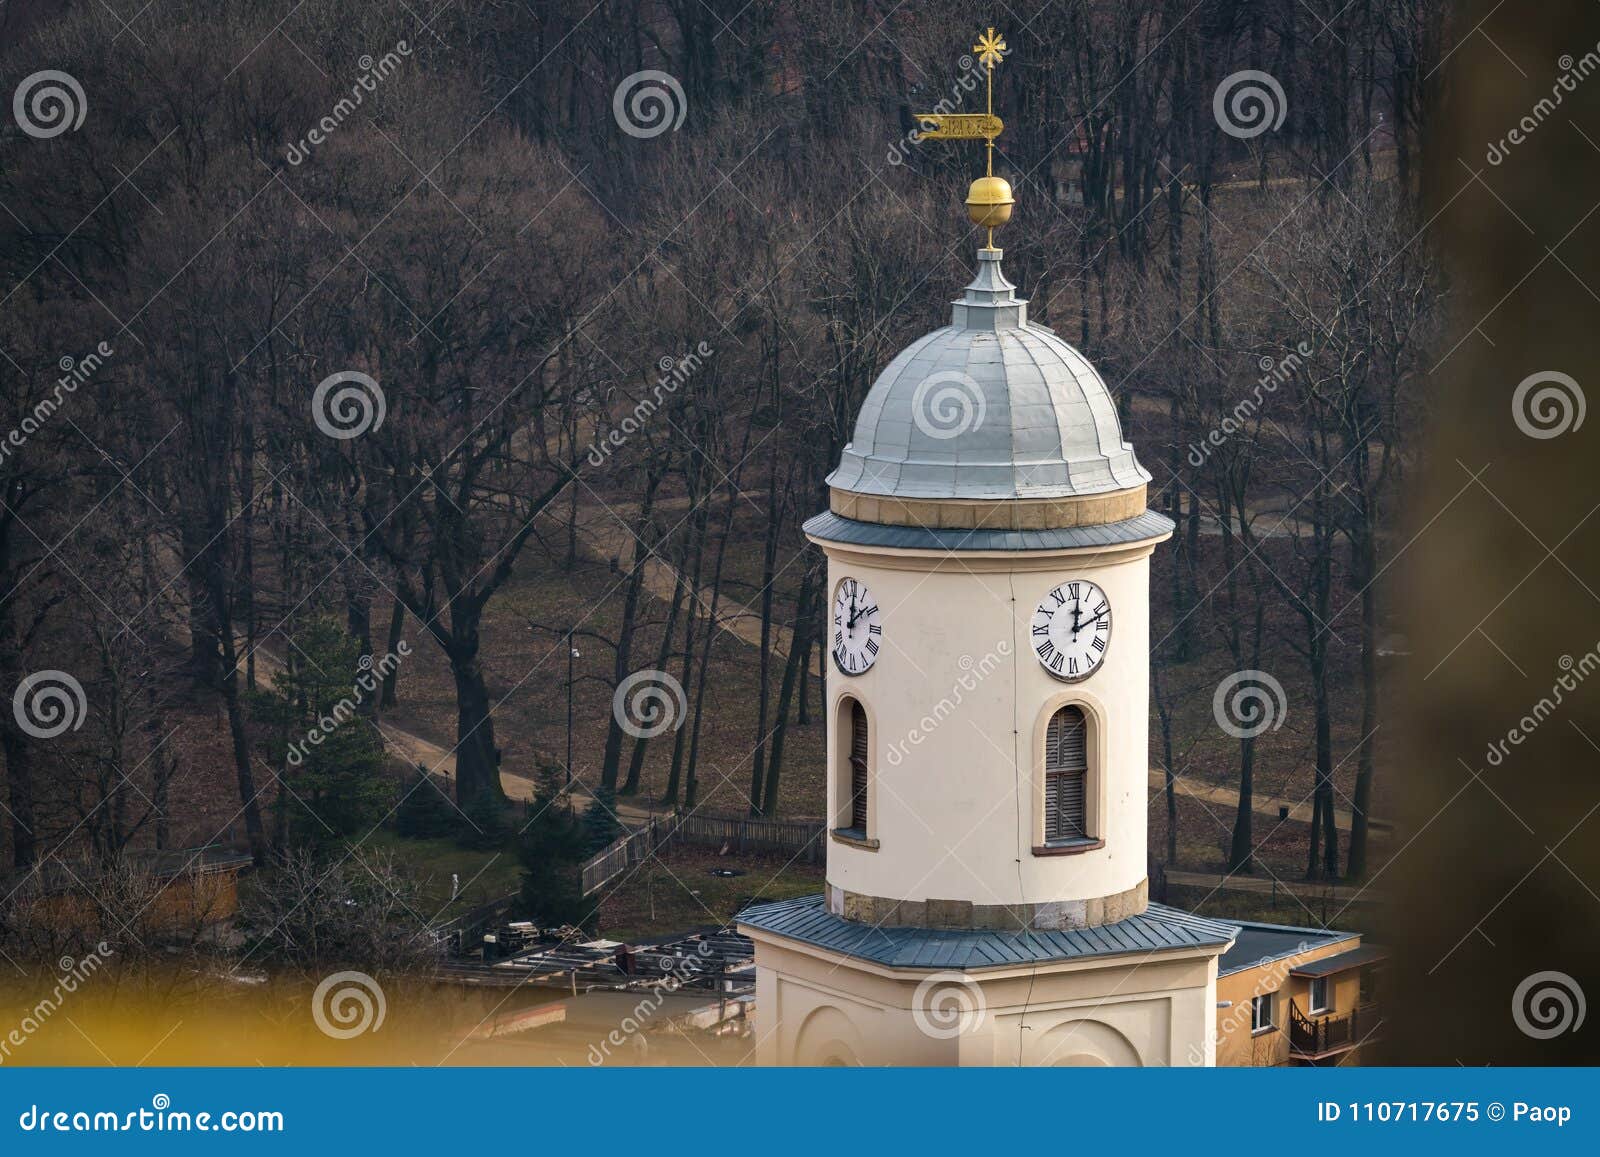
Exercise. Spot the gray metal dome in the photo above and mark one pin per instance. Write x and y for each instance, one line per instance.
(988, 407)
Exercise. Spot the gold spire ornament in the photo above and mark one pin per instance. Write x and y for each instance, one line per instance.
(989, 200)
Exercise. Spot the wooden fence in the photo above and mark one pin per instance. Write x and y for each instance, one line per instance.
(800, 839)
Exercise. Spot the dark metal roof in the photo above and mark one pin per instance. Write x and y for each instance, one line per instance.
(1262, 943)
(835, 528)
(1157, 929)
(1341, 961)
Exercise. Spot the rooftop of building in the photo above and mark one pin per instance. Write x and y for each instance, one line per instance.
(1257, 943)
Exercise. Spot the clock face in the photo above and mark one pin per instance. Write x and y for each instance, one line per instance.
(1072, 630)
(857, 631)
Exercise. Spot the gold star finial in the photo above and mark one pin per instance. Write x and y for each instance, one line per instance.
(991, 48)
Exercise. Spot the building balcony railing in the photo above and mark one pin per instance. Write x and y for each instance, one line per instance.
(1329, 1034)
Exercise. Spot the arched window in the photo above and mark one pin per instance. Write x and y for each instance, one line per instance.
(858, 768)
(851, 768)
(1066, 776)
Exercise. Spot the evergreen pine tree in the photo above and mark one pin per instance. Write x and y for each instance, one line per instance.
(600, 819)
(552, 851)
(319, 732)
(425, 812)
(484, 824)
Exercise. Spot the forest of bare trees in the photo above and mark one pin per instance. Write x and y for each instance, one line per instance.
(354, 314)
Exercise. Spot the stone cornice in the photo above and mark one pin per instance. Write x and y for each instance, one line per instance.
(990, 514)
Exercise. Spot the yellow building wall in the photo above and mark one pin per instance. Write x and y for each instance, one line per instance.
(1236, 1043)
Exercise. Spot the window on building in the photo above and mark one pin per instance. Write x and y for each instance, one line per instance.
(858, 768)
(1066, 776)
(1319, 995)
(1261, 1013)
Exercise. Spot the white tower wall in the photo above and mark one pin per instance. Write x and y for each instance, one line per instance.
(957, 704)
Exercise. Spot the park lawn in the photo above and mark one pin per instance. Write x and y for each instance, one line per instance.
(485, 875)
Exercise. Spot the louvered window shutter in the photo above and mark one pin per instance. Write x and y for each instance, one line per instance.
(858, 768)
(1066, 774)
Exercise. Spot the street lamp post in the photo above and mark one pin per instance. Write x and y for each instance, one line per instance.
(572, 653)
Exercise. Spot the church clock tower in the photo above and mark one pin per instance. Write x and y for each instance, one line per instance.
(988, 549)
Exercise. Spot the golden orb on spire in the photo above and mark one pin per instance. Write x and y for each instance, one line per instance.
(989, 202)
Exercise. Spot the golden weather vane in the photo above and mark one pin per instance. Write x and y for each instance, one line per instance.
(989, 200)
